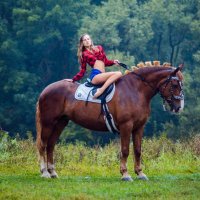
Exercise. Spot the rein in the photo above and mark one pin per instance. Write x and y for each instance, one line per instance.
(144, 80)
(138, 75)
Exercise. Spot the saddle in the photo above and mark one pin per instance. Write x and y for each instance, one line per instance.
(86, 91)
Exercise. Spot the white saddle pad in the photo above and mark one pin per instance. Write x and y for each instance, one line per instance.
(83, 91)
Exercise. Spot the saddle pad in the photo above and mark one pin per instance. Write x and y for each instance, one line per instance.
(82, 94)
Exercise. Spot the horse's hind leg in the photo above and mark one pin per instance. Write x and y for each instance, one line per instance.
(43, 133)
(137, 142)
(58, 128)
(42, 145)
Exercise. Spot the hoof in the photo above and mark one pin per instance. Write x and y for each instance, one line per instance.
(46, 174)
(142, 177)
(126, 178)
(54, 175)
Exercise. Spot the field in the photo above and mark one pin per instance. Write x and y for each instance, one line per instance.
(173, 169)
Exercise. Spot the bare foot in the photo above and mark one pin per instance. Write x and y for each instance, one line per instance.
(97, 94)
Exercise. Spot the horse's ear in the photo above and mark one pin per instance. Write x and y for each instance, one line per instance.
(179, 68)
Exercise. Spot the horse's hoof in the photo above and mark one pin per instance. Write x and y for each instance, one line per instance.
(54, 175)
(143, 177)
(46, 174)
(126, 178)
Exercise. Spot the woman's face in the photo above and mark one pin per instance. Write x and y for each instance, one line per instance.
(87, 42)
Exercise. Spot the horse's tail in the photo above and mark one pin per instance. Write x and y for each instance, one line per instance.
(38, 127)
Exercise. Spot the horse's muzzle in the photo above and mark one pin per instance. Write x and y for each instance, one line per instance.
(177, 108)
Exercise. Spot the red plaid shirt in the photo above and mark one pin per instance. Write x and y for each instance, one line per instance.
(90, 58)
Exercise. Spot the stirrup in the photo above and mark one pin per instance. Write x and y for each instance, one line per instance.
(88, 80)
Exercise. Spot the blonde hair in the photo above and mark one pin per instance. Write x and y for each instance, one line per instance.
(81, 48)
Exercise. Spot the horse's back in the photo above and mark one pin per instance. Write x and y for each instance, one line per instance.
(59, 88)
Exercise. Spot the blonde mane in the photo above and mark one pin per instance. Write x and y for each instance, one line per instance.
(147, 67)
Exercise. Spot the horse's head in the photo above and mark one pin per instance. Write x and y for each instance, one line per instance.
(171, 90)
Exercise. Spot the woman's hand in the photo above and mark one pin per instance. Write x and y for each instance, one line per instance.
(69, 80)
(116, 62)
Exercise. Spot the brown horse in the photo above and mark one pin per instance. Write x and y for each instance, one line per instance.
(130, 108)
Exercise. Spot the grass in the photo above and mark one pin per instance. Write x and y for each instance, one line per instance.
(173, 170)
(31, 186)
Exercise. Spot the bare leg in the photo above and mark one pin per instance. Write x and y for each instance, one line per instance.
(125, 132)
(107, 78)
(51, 144)
(137, 140)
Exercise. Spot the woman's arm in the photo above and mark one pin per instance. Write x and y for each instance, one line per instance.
(81, 73)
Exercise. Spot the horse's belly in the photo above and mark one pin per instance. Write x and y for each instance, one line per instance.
(86, 115)
(92, 125)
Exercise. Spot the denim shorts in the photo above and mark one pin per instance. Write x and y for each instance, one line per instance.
(94, 72)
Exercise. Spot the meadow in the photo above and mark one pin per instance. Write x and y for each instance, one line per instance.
(173, 169)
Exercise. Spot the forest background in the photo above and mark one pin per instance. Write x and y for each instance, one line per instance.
(38, 44)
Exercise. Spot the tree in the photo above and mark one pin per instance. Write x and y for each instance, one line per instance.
(39, 42)
(35, 44)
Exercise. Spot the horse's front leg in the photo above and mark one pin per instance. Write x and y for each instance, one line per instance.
(125, 133)
(137, 141)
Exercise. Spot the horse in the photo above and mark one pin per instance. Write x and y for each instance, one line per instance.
(130, 107)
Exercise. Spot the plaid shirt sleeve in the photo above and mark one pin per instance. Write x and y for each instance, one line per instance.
(81, 73)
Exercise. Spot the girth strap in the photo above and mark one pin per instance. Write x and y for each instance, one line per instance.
(104, 108)
(109, 119)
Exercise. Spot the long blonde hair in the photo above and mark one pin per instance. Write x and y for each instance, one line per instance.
(81, 48)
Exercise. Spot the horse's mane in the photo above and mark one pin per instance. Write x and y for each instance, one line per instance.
(152, 69)
(147, 70)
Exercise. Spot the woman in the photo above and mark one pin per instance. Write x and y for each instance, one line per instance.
(96, 58)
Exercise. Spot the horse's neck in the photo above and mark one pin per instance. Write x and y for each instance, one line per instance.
(152, 78)
(155, 77)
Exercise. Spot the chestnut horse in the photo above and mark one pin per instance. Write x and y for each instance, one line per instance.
(130, 108)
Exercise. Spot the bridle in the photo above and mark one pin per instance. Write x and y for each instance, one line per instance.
(170, 99)
(162, 87)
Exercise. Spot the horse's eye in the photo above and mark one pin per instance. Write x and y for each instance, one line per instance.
(175, 86)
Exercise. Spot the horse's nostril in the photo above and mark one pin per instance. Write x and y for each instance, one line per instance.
(177, 108)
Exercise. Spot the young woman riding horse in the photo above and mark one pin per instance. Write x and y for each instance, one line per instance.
(96, 58)
(130, 108)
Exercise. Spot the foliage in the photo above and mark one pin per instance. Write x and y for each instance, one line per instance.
(104, 161)
(38, 46)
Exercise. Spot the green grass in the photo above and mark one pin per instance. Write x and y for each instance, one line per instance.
(31, 186)
(173, 170)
